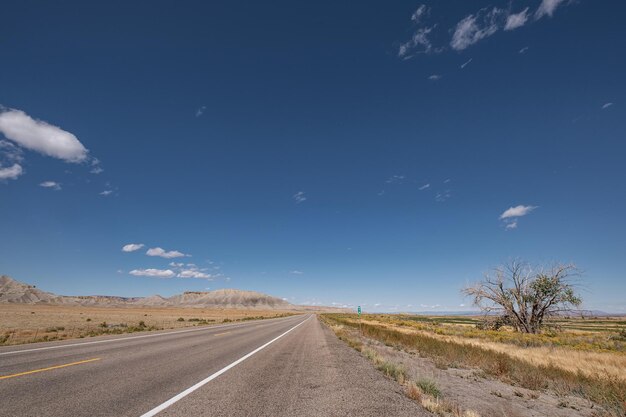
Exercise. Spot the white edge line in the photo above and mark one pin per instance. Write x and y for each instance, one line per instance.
(189, 390)
(121, 339)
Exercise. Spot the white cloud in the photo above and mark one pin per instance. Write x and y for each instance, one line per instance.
(425, 186)
(606, 105)
(131, 247)
(511, 225)
(95, 166)
(517, 211)
(421, 11)
(474, 28)
(523, 50)
(164, 254)
(194, 273)
(177, 264)
(434, 77)
(200, 111)
(150, 272)
(419, 43)
(466, 63)
(299, 197)
(547, 7)
(514, 21)
(10, 151)
(11, 173)
(106, 192)
(51, 184)
(41, 137)
(296, 272)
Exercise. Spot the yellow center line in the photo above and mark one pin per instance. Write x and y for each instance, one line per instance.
(221, 334)
(34, 371)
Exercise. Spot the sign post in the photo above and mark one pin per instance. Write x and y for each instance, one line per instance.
(359, 311)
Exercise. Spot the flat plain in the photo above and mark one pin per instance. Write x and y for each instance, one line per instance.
(28, 323)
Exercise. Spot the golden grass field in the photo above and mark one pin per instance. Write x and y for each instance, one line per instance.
(583, 357)
(592, 354)
(23, 323)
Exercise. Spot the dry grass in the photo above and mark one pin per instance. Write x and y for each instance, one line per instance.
(424, 391)
(21, 323)
(570, 359)
(606, 389)
(600, 335)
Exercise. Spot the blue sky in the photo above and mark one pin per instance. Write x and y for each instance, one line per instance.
(377, 154)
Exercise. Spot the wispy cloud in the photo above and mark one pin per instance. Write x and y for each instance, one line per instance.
(419, 42)
(395, 179)
(517, 20)
(10, 152)
(165, 254)
(200, 111)
(443, 196)
(434, 77)
(151, 272)
(606, 105)
(466, 63)
(11, 173)
(131, 247)
(424, 187)
(470, 29)
(475, 27)
(106, 193)
(517, 211)
(296, 272)
(299, 197)
(41, 137)
(523, 50)
(419, 13)
(95, 166)
(547, 8)
(511, 225)
(51, 184)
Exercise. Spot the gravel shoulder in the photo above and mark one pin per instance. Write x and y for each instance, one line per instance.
(308, 373)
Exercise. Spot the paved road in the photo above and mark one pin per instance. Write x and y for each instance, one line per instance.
(284, 367)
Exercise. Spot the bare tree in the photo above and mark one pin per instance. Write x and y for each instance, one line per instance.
(526, 296)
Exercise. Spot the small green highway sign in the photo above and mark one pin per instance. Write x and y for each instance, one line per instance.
(359, 310)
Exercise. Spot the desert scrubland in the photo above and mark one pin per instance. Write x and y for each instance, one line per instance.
(27, 323)
(575, 367)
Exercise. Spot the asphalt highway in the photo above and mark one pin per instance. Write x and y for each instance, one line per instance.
(282, 367)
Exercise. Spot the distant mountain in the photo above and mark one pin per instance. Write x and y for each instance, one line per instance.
(12, 291)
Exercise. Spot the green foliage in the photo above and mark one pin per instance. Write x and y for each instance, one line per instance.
(392, 370)
(429, 387)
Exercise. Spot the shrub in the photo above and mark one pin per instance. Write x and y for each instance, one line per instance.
(428, 387)
(392, 370)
